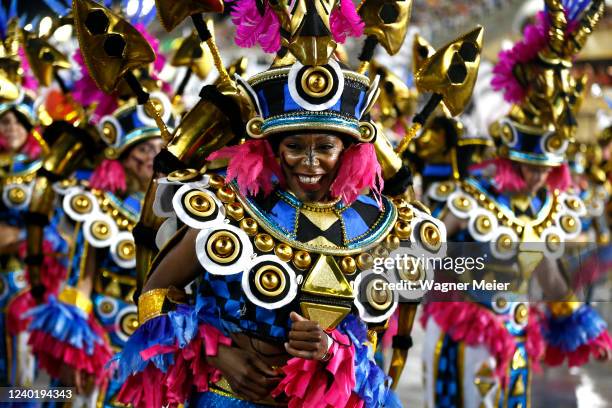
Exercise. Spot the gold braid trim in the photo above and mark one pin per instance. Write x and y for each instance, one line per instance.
(150, 304)
(72, 296)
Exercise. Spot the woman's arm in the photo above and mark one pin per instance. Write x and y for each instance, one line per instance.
(177, 267)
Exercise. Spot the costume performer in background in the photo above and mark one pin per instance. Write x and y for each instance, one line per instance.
(22, 146)
(95, 304)
(481, 353)
(75, 334)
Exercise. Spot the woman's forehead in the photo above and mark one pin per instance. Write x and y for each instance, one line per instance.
(313, 136)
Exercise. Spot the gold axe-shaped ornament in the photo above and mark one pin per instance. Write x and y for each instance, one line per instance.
(112, 48)
(421, 52)
(386, 23)
(450, 75)
(195, 57)
(44, 59)
(172, 12)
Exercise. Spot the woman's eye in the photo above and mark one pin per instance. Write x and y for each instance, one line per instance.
(327, 146)
(293, 146)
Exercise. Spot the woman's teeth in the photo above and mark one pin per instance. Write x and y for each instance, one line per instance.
(309, 179)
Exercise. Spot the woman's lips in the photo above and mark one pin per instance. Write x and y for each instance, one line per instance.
(309, 182)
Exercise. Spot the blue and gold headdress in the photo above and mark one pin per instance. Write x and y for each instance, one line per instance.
(535, 76)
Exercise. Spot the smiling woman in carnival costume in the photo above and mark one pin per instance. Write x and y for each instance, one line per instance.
(279, 232)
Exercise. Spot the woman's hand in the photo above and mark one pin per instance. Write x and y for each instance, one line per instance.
(245, 372)
(306, 339)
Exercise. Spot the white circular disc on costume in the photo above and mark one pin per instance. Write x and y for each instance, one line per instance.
(166, 106)
(461, 204)
(504, 233)
(563, 219)
(123, 250)
(17, 196)
(434, 191)
(367, 312)
(512, 142)
(123, 321)
(577, 206)
(107, 307)
(19, 279)
(288, 281)
(236, 262)
(554, 242)
(100, 230)
(544, 141)
(80, 204)
(111, 122)
(189, 214)
(162, 205)
(418, 222)
(512, 314)
(478, 216)
(293, 81)
(411, 263)
(501, 303)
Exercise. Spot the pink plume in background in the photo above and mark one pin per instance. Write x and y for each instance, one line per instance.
(28, 81)
(527, 49)
(109, 176)
(87, 93)
(253, 28)
(344, 21)
(559, 178)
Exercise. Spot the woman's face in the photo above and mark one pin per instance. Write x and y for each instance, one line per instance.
(12, 131)
(310, 163)
(534, 176)
(139, 160)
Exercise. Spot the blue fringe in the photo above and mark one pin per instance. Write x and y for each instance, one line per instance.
(59, 7)
(371, 383)
(178, 327)
(569, 333)
(65, 323)
(573, 8)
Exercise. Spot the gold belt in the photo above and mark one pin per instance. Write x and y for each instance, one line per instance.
(223, 388)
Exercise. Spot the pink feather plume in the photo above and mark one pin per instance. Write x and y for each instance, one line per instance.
(253, 166)
(523, 51)
(359, 169)
(31, 147)
(29, 81)
(109, 176)
(507, 176)
(86, 93)
(253, 28)
(344, 21)
(559, 178)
